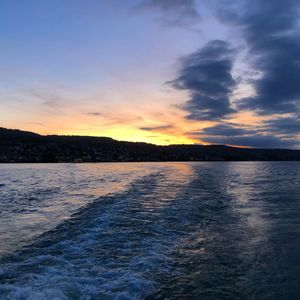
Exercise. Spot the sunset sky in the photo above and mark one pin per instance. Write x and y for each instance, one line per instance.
(159, 71)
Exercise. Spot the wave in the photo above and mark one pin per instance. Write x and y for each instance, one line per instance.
(211, 231)
(109, 249)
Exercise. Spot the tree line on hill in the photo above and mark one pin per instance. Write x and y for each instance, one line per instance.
(18, 146)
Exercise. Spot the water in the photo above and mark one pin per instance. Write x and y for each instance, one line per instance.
(215, 230)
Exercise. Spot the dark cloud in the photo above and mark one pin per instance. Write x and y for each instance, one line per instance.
(257, 141)
(226, 130)
(174, 12)
(287, 126)
(206, 74)
(271, 32)
(261, 137)
(156, 128)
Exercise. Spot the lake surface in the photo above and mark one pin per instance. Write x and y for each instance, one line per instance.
(203, 230)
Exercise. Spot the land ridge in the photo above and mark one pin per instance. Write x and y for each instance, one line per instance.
(17, 146)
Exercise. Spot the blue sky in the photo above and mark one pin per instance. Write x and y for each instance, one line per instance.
(160, 71)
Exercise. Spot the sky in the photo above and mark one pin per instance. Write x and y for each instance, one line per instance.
(157, 71)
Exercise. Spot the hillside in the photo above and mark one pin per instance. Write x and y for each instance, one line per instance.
(22, 146)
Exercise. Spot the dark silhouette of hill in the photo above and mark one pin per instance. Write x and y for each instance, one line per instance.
(23, 146)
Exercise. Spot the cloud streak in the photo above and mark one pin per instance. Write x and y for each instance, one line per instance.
(256, 141)
(226, 130)
(95, 114)
(288, 126)
(231, 134)
(178, 13)
(157, 128)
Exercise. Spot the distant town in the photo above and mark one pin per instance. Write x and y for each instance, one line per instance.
(18, 146)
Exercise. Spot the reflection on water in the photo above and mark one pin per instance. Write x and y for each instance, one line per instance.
(37, 197)
(224, 230)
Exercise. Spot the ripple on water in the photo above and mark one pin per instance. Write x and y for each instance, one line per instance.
(183, 230)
